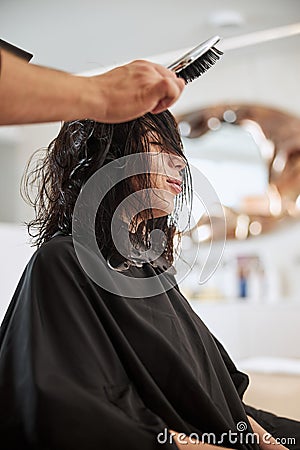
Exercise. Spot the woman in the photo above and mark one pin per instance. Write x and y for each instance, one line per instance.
(84, 366)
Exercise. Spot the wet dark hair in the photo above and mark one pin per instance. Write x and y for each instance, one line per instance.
(80, 149)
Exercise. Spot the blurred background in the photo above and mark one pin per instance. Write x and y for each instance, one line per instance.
(240, 124)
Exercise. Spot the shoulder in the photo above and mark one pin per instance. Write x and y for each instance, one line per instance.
(58, 260)
(55, 255)
(56, 248)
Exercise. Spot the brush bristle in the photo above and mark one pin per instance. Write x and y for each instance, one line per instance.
(200, 65)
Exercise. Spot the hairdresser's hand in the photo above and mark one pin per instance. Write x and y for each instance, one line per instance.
(134, 89)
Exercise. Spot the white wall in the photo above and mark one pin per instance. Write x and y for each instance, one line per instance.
(250, 331)
(27, 139)
(15, 253)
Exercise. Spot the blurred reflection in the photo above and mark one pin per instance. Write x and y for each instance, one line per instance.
(251, 155)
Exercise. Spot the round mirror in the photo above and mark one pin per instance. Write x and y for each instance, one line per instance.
(251, 156)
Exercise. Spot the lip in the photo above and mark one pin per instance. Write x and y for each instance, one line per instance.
(175, 184)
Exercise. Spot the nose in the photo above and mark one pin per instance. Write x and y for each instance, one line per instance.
(177, 162)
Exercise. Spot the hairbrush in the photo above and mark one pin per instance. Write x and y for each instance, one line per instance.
(197, 61)
(15, 50)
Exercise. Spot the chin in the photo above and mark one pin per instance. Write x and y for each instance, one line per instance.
(161, 213)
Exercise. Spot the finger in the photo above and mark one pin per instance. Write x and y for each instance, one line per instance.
(167, 94)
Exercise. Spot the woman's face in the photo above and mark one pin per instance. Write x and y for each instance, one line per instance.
(166, 180)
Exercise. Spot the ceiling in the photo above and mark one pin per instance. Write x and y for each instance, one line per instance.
(79, 36)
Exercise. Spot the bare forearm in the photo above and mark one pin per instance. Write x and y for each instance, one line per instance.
(30, 93)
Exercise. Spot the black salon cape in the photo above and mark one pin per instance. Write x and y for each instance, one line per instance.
(84, 369)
